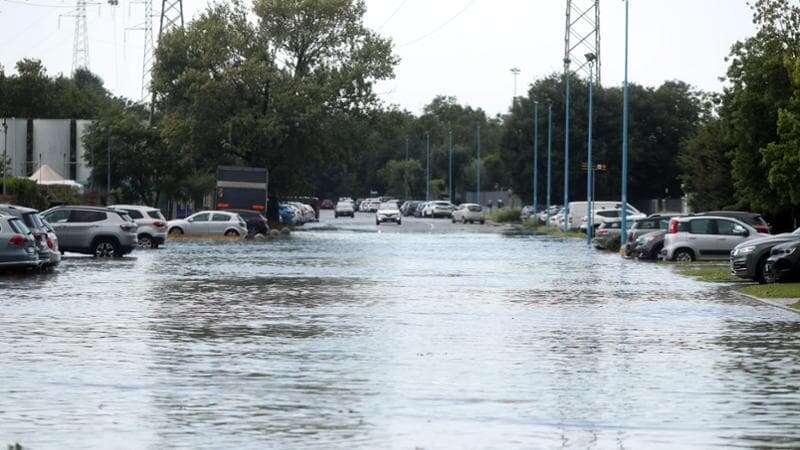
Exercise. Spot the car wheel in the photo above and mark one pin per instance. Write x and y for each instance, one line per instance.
(683, 255)
(483, 221)
(105, 248)
(377, 222)
(176, 232)
(232, 233)
(761, 273)
(146, 241)
(335, 216)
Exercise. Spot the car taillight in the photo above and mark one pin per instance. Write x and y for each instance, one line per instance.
(50, 244)
(17, 240)
(128, 227)
(630, 237)
(673, 226)
(602, 232)
(158, 224)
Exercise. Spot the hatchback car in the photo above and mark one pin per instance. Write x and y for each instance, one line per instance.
(705, 237)
(755, 220)
(17, 244)
(257, 224)
(641, 227)
(648, 246)
(438, 209)
(209, 223)
(344, 208)
(749, 259)
(469, 213)
(152, 224)
(388, 212)
(102, 232)
(46, 242)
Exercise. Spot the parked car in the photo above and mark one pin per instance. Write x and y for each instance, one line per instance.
(289, 215)
(344, 209)
(578, 211)
(152, 224)
(469, 213)
(257, 224)
(783, 263)
(648, 246)
(545, 214)
(373, 206)
(557, 220)
(420, 209)
(527, 212)
(102, 232)
(209, 223)
(438, 209)
(17, 244)
(607, 236)
(46, 242)
(605, 214)
(388, 212)
(753, 219)
(705, 237)
(408, 207)
(645, 226)
(326, 204)
(749, 259)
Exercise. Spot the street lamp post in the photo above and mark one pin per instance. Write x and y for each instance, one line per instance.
(590, 57)
(515, 72)
(535, 191)
(566, 145)
(405, 172)
(5, 154)
(478, 165)
(624, 223)
(428, 167)
(450, 168)
(549, 161)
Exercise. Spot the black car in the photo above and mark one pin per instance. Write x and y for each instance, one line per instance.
(783, 263)
(409, 208)
(649, 246)
(256, 222)
(749, 259)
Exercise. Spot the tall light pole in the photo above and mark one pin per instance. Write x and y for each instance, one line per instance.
(5, 154)
(549, 160)
(535, 191)
(478, 164)
(108, 167)
(405, 172)
(566, 145)
(623, 235)
(515, 72)
(428, 167)
(590, 57)
(450, 168)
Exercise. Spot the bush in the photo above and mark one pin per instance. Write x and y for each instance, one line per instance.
(25, 192)
(505, 215)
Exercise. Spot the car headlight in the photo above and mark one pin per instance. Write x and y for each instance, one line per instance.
(744, 250)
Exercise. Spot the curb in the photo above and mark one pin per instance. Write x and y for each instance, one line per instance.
(768, 302)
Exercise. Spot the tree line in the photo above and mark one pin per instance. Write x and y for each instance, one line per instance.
(290, 86)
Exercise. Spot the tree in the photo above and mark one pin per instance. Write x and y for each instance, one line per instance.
(402, 178)
(706, 168)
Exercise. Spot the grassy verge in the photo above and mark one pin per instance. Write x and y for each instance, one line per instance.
(787, 290)
(505, 215)
(531, 227)
(706, 272)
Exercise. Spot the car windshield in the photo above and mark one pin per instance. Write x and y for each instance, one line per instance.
(155, 214)
(613, 213)
(389, 205)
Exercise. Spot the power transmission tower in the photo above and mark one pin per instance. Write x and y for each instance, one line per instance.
(147, 59)
(80, 44)
(582, 37)
(171, 17)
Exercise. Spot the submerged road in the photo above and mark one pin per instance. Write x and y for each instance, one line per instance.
(346, 337)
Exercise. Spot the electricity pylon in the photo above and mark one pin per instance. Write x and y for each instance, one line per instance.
(171, 17)
(582, 37)
(80, 43)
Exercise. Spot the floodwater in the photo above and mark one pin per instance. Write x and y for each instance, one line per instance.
(346, 339)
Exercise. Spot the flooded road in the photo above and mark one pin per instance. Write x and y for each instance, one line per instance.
(361, 339)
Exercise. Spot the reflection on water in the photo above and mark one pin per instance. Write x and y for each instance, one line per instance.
(364, 340)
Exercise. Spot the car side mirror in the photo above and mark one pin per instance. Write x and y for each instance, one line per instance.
(190, 220)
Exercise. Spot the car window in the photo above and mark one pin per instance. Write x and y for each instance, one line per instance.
(609, 214)
(155, 214)
(59, 216)
(200, 217)
(18, 226)
(729, 228)
(702, 226)
(134, 213)
(220, 218)
(81, 216)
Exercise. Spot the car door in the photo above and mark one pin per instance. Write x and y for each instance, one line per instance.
(198, 223)
(703, 237)
(730, 234)
(219, 222)
(83, 226)
(59, 219)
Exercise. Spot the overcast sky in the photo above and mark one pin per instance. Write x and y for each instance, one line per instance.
(463, 48)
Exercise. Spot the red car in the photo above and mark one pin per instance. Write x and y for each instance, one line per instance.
(326, 204)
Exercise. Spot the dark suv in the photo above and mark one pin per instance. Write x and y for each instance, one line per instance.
(101, 232)
(749, 259)
(256, 223)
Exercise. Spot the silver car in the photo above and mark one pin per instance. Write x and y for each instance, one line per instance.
(209, 223)
(152, 224)
(705, 237)
(46, 241)
(17, 244)
(102, 232)
(469, 213)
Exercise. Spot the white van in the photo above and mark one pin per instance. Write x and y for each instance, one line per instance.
(579, 210)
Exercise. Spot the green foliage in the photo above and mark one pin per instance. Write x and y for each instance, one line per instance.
(706, 168)
(505, 215)
(402, 178)
(26, 192)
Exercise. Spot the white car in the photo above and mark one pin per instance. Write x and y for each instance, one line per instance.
(604, 214)
(152, 230)
(438, 209)
(307, 213)
(388, 212)
(344, 208)
(209, 223)
(469, 213)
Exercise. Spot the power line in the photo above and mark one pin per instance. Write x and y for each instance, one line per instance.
(44, 5)
(394, 13)
(444, 24)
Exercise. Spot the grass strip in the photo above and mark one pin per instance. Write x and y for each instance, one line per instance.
(706, 272)
(779, 290)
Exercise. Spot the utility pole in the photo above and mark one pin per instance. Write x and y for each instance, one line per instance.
(590, 171)
(566, 147)
(535, 191)
(405, 172)
(478, 165)
(623, 235)
(428, 167)
(549, 160)
(450, 176)
(108, 167)
(5, 154)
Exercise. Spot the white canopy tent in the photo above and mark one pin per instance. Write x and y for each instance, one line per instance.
(46, 176)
